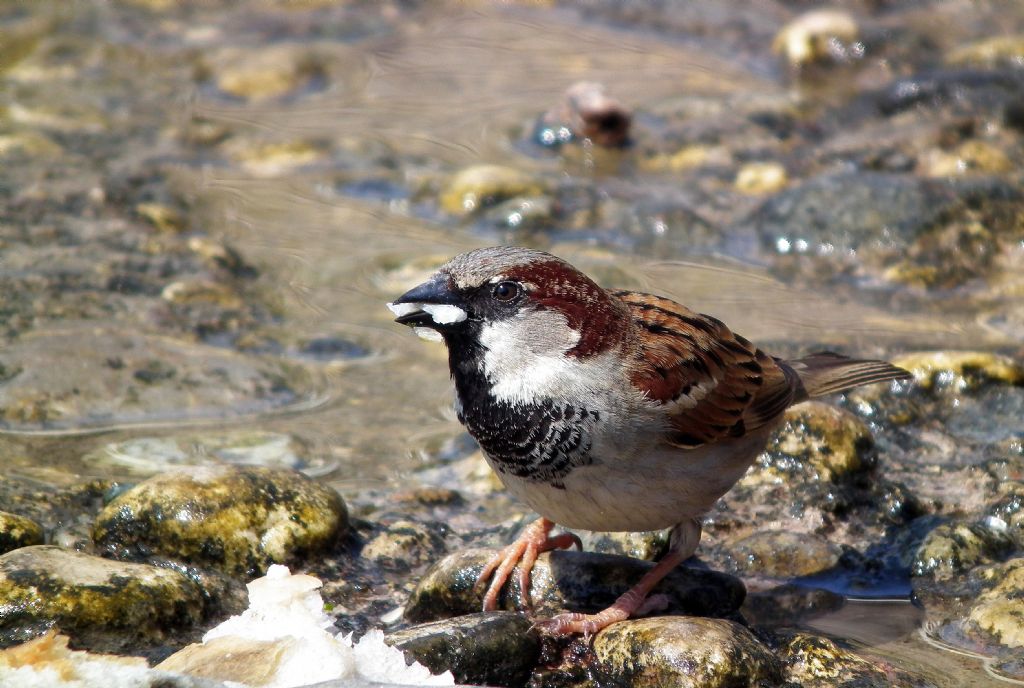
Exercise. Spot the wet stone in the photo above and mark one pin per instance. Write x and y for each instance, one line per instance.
(847, 212)
(482, 186)
(1008, 510)
(999, 611)
(271, 72)
(404, 545)
(238, 520)
(816, 662)
(488, 648)
(997, 51)
(959, 90)
(952, 549)
(784, 554)
(103, 604)
(787, 604)
(586, 113)
(761, 178)
(944, 381)
(682, 651)
(961, 371)
(822, 35)
(816, 442)
(568, 580)
(17, 531)
(647, 545)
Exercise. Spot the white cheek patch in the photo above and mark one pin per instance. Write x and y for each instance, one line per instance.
(442, 314)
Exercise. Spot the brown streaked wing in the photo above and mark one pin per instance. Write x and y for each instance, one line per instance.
(716, 383)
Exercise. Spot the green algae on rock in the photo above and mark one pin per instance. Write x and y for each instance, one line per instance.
(577, 581)
(17, 531)
(102, 604)
(487, 648)
(961, 370)
(239, 520)
(951, 549)
(817, 441)
(999, 611)
(684, 652)
(816, 662)
(481, 186)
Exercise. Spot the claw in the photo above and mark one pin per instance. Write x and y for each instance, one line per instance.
(523, 552)
(636, 601)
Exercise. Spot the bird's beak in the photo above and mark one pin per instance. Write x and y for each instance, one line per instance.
(433, 304)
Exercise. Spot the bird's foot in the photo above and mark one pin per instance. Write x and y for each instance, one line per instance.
(584, 624)
(534, 540)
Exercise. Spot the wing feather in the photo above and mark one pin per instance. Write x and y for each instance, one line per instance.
(715, 383)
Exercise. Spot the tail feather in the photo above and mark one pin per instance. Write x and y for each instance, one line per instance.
(828, 373)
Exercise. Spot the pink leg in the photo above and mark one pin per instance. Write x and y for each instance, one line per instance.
(684, 541)
(534, 540)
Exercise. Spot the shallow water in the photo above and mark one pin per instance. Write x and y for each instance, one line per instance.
(342, 220)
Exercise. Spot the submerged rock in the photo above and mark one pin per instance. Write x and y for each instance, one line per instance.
(17, 531)
(235, 519)
(999, 611)
(952, 549)
(784, 554)
(816, 662)
(816, 36)
(586, 113)
(482, 186)
(271, 72)
(404, 545)
(961, 371)
(566, 580)
(102, 604)
(788, 604)
(488, 648)
(682, 651)
(841, 213)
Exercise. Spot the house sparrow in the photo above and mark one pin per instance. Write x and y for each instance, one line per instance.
(606, 410)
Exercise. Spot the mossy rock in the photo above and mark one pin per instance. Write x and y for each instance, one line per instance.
(961, 370)
(816, 442)
(682, 651)
(18, 531)
(999, 611)
(102, 604)
(238, 520)
(951, 549)
(481, 186)
(816, 662)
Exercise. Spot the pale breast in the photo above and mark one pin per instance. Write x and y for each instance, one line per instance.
(649, 490)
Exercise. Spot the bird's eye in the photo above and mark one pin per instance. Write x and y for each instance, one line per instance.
(506, 291)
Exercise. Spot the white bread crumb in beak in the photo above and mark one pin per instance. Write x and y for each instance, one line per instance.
(428, 334)
(400, 309)
(443, 314)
